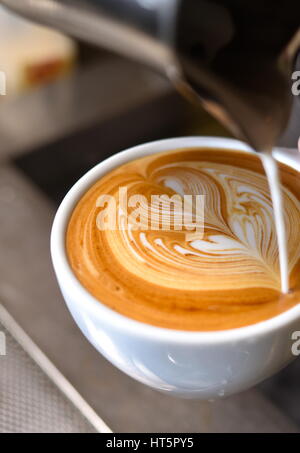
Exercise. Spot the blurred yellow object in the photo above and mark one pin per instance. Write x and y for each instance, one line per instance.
(31, 55)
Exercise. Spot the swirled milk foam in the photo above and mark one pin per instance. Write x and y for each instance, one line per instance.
(186, 240)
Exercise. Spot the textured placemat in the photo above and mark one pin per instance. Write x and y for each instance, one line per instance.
(30, 402)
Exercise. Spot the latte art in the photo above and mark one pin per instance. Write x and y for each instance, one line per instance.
(228, 277)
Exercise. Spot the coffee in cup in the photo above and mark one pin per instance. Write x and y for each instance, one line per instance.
(218, 271)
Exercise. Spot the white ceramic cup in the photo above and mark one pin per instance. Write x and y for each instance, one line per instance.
(202, 365)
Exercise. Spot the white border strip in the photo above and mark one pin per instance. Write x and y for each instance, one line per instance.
(51, 371)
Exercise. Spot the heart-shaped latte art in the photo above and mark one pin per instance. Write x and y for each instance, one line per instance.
(153, 274)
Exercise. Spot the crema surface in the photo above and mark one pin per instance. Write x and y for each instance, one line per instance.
(227, 277)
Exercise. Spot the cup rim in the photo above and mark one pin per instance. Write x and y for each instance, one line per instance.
(88, 302)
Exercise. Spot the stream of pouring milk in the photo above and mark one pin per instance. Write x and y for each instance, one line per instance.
(256, 142)
(272, 173)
